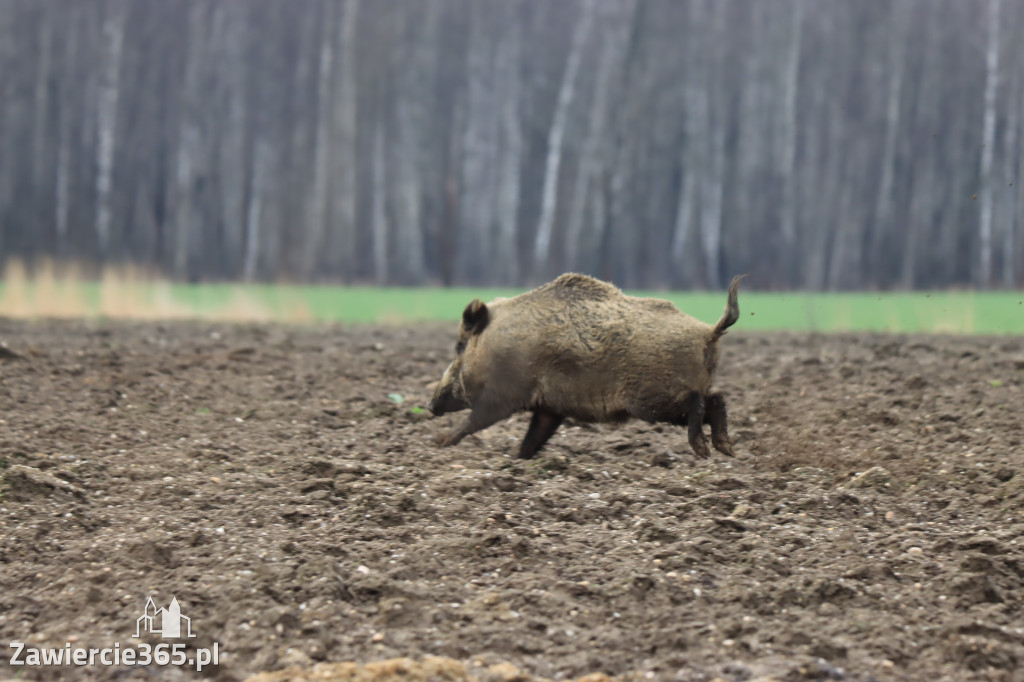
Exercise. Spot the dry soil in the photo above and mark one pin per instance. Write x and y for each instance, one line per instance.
(282, 483)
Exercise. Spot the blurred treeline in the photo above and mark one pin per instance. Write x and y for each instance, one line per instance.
(821, 144)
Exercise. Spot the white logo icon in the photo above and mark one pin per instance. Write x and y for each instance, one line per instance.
(164, 622)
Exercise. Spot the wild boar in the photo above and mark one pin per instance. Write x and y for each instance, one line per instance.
(578, 347)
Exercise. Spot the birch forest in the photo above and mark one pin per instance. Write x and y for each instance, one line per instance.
(816, 144)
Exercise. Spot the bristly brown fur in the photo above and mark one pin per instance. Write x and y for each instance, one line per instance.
(578, 347)
(575, 287)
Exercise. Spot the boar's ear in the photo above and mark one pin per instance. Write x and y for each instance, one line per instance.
(475, 316)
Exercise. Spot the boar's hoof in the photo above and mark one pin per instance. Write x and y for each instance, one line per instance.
(700, 446)
(444, 439)
(723, 446)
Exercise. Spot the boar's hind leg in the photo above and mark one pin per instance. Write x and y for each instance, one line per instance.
(715, 415)
(480, 417)
(542, 426)
(695, 425)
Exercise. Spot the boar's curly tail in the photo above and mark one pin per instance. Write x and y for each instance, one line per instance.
(732, 309)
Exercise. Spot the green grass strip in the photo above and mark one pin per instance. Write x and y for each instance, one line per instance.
(958, 312)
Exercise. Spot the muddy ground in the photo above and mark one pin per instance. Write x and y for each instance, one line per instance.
(870, 527)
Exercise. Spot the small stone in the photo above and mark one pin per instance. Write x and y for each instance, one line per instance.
(741, 511)
(660, 459)
(506, 672)
(295, 657)
(875, 477)
(736, 670)
(914, 550)
(378, 637)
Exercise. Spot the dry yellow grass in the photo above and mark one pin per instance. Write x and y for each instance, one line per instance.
(51, 290)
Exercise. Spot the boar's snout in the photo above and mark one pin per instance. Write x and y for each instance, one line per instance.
(445, 403)
(449, 394)
(435, 408)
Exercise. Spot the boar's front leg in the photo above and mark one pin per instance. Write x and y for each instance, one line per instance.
(695, 425)
(542, 426)
(480, 417)
(715, 415)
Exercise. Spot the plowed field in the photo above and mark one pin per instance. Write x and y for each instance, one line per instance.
(282, 483)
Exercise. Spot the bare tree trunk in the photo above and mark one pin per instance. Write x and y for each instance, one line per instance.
(556, 134)
(713, 184)
(234, 169)
(821, 171)
(478, 164)
(921, 188)
(63, 190)
(711, 207)
(412, 101)
(8, 161)
(41, 106)
(506, 256)
(1017, 254)
(601, 217)
(753, 154)
(189, 143)
(621, 236)
(106, 119)
(923, 179)
(884, 203)
(622, 210)
(681, 235)
(65, 121)
(409, 261)
(316, 217)
(341, 242)
(787, 164)
(1010, 176)
(844, 264)
(984, 277)
(379, 217)
(618, 19)
(925, 186)
(299, 154)
(692, 154)
(262, 159)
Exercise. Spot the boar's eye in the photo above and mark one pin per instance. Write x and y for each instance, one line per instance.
(460, 346)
